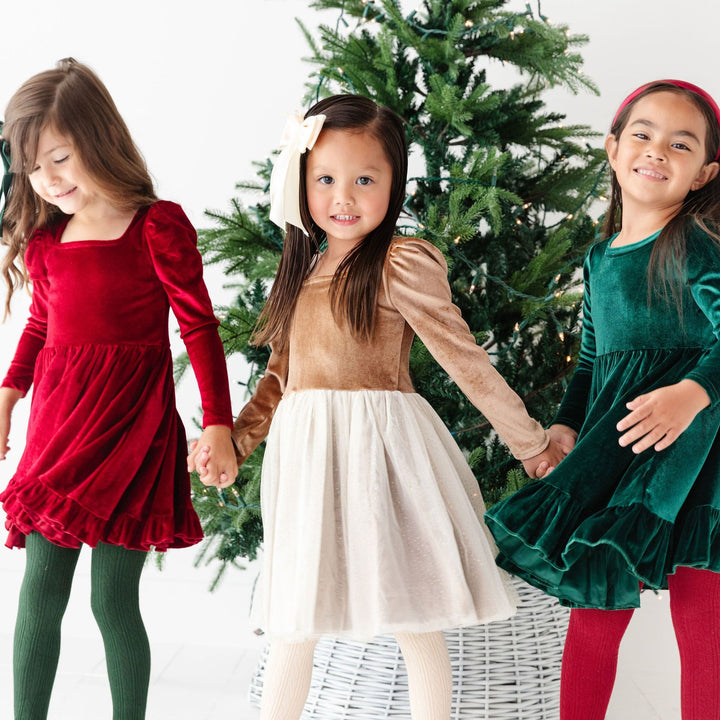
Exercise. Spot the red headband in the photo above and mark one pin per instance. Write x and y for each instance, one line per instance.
(678, 83)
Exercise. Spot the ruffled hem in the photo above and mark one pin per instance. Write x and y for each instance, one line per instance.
(698, 542)
(550, 547)
(67, 523)
(410, 626)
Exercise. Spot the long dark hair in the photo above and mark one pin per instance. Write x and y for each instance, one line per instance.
(356, 282)
(701, 207)
(73, 100)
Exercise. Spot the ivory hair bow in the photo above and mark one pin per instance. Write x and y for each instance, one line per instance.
(299, 136)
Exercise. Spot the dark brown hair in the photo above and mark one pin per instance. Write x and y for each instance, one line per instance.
(73, 100)
(356, 281)
(701, 207)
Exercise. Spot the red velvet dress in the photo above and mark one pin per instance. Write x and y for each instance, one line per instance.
(105, 454)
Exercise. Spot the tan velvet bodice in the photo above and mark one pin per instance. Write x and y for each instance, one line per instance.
(414, 299)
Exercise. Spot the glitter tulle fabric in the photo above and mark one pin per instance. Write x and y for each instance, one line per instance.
(372, 521)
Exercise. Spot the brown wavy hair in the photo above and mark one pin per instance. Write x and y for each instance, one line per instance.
(74, 101)
(701, 207)
(356, 282)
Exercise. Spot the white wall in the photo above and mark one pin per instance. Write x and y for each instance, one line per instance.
(204, 87)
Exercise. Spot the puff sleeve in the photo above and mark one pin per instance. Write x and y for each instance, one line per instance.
(172, 244)
(417, 286)
(253, 422)
(22, 368)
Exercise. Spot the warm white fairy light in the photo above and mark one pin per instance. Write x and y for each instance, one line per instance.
(561, 335)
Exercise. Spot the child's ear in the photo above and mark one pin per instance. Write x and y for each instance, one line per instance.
(709, 172)
(611, 147)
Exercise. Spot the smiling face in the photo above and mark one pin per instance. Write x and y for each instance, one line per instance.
(660, 155)
(59, 177)
(348, 181)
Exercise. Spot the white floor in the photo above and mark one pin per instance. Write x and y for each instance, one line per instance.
(204, 651)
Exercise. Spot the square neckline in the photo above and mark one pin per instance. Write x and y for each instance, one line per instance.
(91, 242)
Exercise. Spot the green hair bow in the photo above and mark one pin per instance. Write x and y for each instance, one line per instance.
(6, 178)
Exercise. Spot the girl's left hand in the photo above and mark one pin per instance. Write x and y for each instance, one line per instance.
(659, 417)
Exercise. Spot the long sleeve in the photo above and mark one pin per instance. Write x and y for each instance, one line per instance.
(703, 275)
(417, 286)
(22, 368)
(172, 243)
(253, 423)
(573, 406)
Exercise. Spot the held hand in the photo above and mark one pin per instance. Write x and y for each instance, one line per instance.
(659, 417)
(564, 436)
(8, 398)
(543, 463)
(213, 456)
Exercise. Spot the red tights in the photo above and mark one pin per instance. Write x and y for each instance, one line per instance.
(593, 639)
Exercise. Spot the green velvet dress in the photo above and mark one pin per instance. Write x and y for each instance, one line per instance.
(607, 519)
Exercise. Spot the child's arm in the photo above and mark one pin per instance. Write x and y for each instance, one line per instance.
(19, 377)
(659, 417)
(172, 244)
(417, 286)
(8, 398)
(253, 422)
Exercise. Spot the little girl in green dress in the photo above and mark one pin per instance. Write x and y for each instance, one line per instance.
(637, 500)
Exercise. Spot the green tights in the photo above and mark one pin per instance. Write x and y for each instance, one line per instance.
(115, 576)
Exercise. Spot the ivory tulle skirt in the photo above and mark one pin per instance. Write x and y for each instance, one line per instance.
(372, 522)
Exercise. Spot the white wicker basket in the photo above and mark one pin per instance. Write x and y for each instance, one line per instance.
(501, 671)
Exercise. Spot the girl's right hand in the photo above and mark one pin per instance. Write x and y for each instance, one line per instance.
(8, 398)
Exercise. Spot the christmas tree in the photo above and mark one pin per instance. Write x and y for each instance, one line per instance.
(500, 183)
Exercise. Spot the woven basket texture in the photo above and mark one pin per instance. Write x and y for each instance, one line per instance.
(506, 670)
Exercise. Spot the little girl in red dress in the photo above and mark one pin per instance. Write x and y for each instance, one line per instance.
(104, 463)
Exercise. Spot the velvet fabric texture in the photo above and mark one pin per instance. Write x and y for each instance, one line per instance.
(414, 299)
(105, 454)
(607, 518)
(372, 517)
